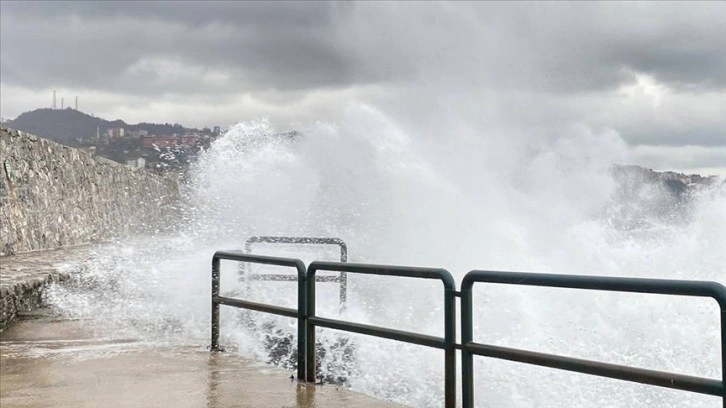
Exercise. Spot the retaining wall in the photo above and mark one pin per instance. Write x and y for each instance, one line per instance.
(53, 196)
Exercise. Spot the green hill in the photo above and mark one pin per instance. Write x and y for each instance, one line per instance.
(66, 125)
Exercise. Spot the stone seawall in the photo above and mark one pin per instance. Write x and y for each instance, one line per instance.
(53, 196)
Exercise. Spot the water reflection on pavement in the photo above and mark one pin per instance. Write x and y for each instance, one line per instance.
(54, 363)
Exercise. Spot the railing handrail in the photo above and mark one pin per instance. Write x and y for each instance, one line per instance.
(387, 270)
(604, 283)
(274, 239)
(235, 255)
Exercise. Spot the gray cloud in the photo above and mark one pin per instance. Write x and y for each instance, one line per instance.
(524, 65)
(97, 45)
(566, 47)
(284, 13)
(553, 48)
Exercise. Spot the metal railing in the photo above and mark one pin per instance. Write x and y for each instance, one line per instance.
(652, 286)
(299, 314)
(342, 278)
(307, 321)
(447, 343)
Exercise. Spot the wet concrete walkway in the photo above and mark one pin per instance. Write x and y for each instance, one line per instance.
(53, 363)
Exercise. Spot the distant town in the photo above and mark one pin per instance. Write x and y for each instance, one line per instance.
(140, 148)
(161, 148)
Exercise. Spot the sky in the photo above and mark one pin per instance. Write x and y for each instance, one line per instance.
(655, 73)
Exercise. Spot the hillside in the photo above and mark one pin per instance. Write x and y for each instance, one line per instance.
(68, 125)
(62, 126)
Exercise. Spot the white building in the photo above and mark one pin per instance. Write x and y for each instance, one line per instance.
(139, 163)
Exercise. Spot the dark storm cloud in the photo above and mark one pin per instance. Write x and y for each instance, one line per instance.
(529, 64)
(549, 48)
(186, 13)
(98, 44)
(677, 43)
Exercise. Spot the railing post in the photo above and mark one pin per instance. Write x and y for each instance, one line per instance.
(719, 294)
(215, 306)
(722, 305)
(450, 350)
(309, 327)
(467, 335)
(343, 276)
(302, 321)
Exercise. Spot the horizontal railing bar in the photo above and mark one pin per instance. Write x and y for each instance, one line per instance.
(259, 307)
(295, 240)
(604, 283)
(391, 334)
(260, 259)
(386, 270)
(273, 277)
(639, 375)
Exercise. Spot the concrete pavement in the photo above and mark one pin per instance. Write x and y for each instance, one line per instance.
(53, 363)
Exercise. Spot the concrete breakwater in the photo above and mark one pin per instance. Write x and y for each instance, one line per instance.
(53, 196)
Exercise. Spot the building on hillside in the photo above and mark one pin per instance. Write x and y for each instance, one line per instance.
(115, 132)
(138, 133)
(166, 141)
